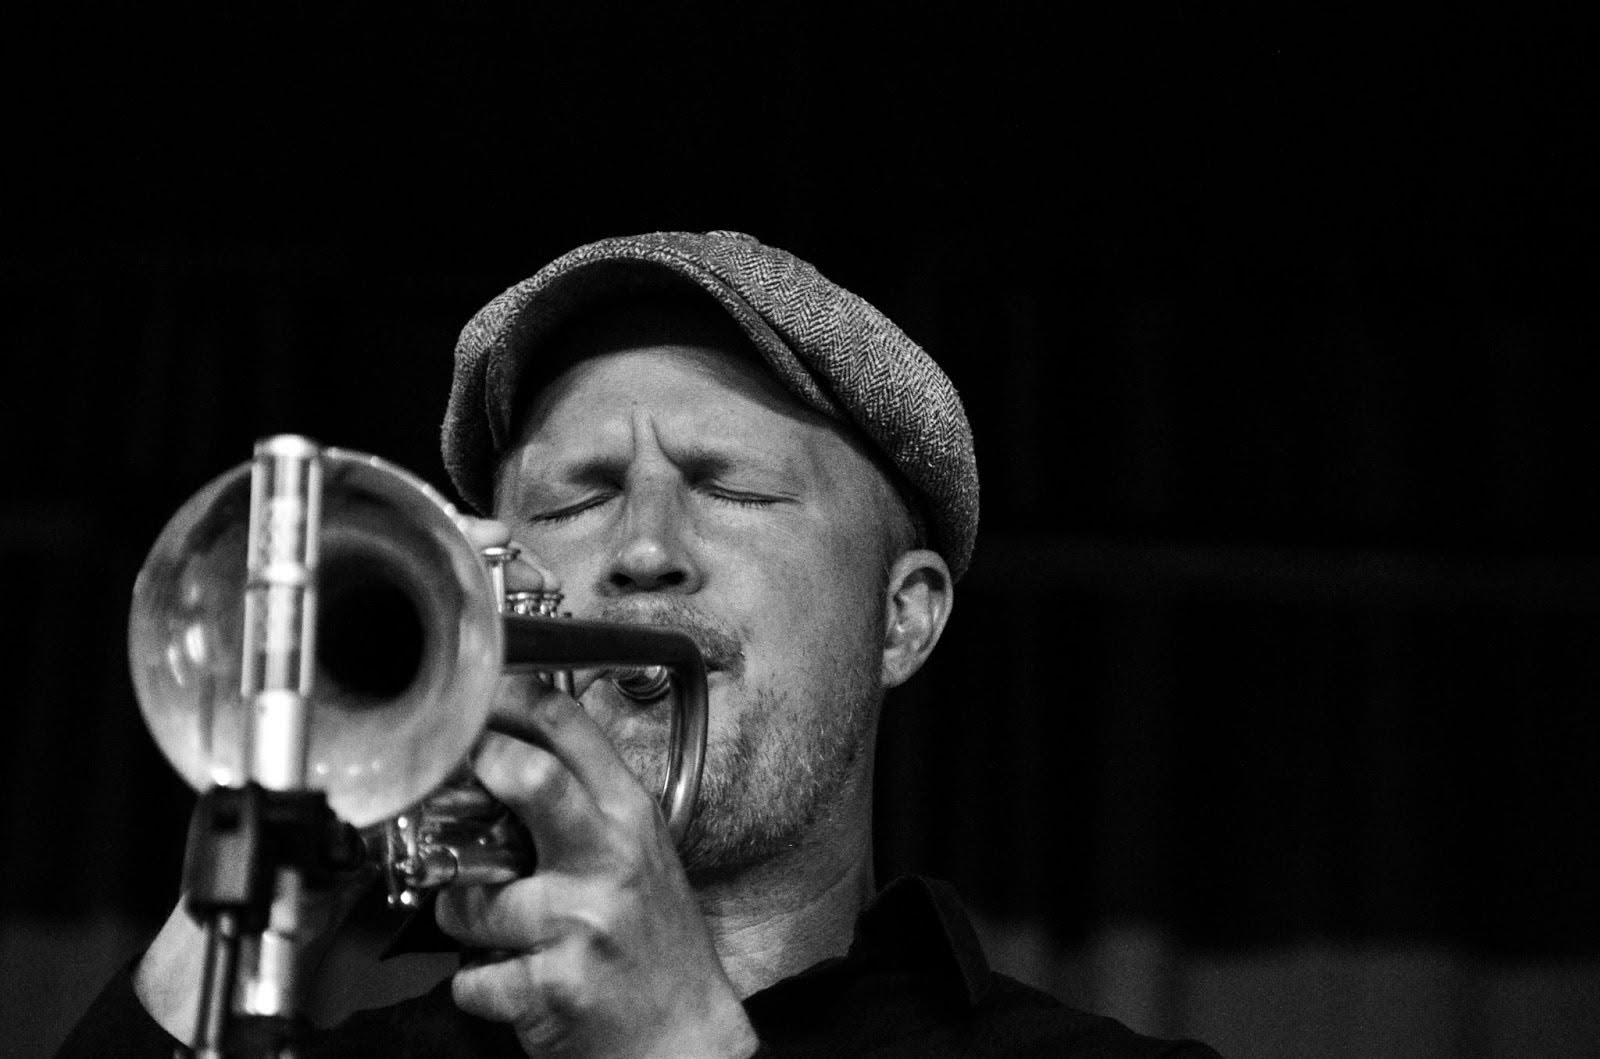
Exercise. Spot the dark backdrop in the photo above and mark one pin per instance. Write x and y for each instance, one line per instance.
(1267, 710)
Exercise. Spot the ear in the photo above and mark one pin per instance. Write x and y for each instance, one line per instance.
(917, 604)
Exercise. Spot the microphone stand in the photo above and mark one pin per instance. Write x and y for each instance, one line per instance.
(256, 851)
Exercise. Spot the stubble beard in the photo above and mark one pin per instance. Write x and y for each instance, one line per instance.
(776, 776)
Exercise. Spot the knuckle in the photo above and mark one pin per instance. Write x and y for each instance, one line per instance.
(484, 532)
(601, 947)
(637, 812)
(505, 763)
(528, 574)
(554, 708)
(540, 577)
(534, 774)
(629, 870)
(551, 1000)
(526, 778)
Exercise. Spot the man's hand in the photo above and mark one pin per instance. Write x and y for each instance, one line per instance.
(603, 951)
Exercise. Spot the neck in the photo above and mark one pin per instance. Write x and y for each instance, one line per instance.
(777, 925)
(777, 918)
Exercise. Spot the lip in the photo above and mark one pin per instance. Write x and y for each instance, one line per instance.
(716, 674)
(716, 670)
(718, 646)
(726, 657)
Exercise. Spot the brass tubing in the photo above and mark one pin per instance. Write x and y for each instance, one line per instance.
(539, 643)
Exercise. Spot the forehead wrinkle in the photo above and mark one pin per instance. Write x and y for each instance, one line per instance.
(707, 436)
(725, 426)
(720, 444)
(551, 453)
(736, 373)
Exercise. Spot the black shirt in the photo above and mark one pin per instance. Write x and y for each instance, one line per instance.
(914, 983)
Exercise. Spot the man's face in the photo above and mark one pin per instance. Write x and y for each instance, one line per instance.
(678, 484)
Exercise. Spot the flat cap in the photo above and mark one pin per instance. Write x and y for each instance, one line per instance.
(831, 348)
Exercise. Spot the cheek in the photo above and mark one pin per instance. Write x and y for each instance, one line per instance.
(812, 600)
(827, 555)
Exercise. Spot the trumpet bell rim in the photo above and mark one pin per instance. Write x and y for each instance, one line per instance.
(373, 754)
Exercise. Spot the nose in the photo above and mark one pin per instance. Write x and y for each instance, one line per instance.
(653, 552)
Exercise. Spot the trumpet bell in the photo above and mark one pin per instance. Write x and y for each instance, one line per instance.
(407, 620)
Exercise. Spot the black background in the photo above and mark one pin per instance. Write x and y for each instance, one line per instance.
(1278, 339)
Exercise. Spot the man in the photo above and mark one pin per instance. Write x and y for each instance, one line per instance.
(700, 431)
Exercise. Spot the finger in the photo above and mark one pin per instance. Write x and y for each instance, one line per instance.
(485, 532)
(560, 725)
(559, 813)
(526, 572)
(540, 994)
(522, 916)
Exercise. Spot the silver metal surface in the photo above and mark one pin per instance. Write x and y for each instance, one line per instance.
(409, 644)
(388, 722)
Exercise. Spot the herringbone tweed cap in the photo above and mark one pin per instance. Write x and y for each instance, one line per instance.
(836, 352)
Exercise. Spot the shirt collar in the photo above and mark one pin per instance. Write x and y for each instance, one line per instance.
(915, 923)
(916, 926)
(919, 922)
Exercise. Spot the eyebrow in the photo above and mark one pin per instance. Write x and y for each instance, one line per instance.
(695, 459)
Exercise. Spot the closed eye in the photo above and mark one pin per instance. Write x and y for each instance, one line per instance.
(571, 511)
(741, 497)
(749, 501)
(731, 497)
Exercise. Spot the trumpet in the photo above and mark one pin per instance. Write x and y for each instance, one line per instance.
(375, 677)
